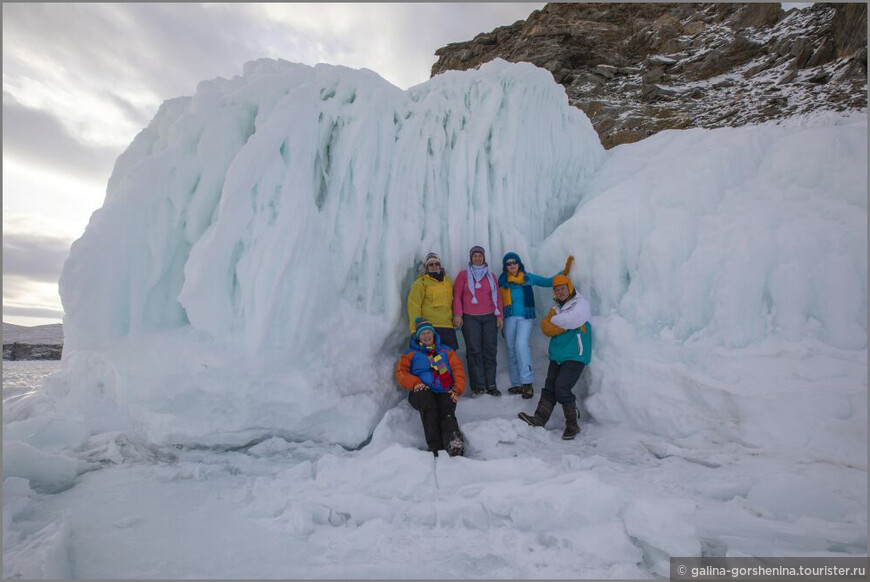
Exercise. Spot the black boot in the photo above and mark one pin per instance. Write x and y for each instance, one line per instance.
(493, 391)
(527, 391)
(571, 426)
(455, 445)
(515, 390)
(542, 414)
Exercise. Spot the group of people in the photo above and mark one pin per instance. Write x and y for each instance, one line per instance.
(481, 306)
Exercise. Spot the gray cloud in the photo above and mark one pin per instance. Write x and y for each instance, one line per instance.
(427, 27)
(109, 53)
(164, 50)
(134, 113)
(170, 47)
(167, 48)
(39, 312)
(37, 136)
(33, 257)
(19, 300)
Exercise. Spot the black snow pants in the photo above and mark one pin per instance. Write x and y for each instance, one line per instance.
(558, 387)
(481, 342)
(438, 413)
(448, 337)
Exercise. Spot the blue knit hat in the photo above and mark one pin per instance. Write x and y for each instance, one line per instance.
(420, 325)
(517, 258)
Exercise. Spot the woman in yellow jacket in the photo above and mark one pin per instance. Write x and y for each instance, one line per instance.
(431, 298)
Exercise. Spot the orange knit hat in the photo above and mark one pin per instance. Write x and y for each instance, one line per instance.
(563, 280)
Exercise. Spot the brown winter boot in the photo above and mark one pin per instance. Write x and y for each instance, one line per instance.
(571, 426)
(542, 414)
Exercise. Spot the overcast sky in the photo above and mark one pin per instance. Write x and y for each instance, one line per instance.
(81, 80)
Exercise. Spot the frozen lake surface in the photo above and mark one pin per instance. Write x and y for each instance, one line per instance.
(21, 377)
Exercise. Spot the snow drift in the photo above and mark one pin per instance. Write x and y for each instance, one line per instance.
(728, 273)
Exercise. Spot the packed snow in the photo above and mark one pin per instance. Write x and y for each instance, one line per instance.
(226, 407)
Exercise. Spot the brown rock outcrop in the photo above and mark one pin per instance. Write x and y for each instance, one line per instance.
(21, 351)
(637, 69)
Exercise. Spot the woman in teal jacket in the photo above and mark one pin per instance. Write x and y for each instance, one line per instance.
(568, 324)
(516, 285)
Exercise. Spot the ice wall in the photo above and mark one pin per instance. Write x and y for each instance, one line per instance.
(247, 273)
(256, 206)
(248, 269)
(728, 273)
(736, 234)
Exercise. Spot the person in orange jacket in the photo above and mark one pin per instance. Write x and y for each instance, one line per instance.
(435, 378)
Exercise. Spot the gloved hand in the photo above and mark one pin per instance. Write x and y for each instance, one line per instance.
(453, 395)
(568, 264)
(420, 387)
(551, 329)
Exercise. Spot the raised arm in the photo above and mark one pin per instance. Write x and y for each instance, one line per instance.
(539, 281)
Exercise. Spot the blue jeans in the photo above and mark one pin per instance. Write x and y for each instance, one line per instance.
(516, 333)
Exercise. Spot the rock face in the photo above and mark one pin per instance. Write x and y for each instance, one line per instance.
(43, 342)
(637, 69)
(19, 351)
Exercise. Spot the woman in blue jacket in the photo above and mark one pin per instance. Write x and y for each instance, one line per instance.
(518, 298)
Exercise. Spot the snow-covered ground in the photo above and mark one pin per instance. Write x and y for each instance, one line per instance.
(23, 377)
(524, 504)
(226, 409)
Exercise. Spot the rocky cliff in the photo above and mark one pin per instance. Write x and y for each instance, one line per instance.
(43, 342)
(19, 351)
(637, 69)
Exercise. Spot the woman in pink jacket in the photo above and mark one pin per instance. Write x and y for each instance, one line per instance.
(477, 309)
